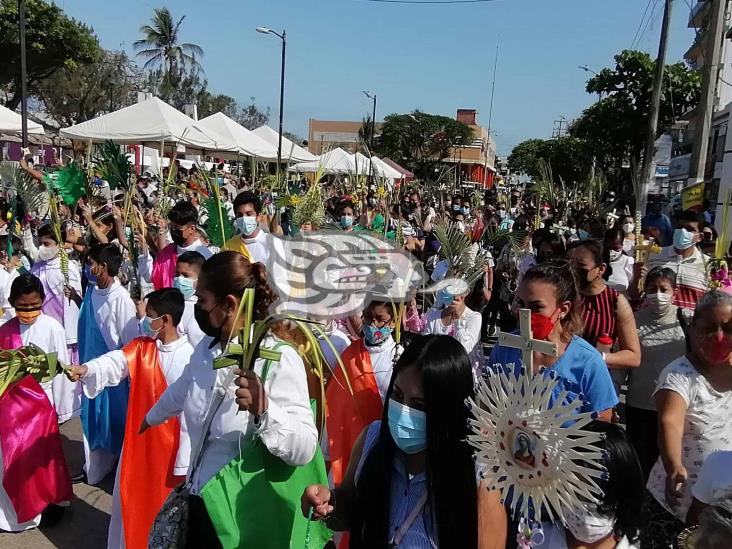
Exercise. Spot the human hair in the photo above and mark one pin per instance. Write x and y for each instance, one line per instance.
(661, 273)
(556, 242)
(26, 284)
(192, 258)
(248, 197)
(167, 301)
(692, 217)
(613, 234)
(346, 204)
(559, 274)
(108, 254)
(710, 300)
(183, 213)
(600, 253)
(14, 240)
(624, 485)
(46, 231)
(715, 523)
(447, 379)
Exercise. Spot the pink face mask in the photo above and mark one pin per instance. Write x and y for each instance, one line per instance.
(717, 348)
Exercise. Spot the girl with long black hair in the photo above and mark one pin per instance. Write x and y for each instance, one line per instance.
(411, 480)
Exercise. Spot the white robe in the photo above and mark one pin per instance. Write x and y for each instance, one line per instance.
(108, 371)
(48, 334)
(188, 326)
(116, 317)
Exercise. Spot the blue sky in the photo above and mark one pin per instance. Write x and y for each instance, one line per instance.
(433, 57)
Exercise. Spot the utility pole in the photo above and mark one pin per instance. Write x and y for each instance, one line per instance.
(23, 74)
(655, 106)
(712, 51)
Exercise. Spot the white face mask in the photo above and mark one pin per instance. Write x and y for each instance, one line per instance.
(246, 225)
(588, 526)
(628, 227)
(659, 301)
(47, 253)
(615, 255)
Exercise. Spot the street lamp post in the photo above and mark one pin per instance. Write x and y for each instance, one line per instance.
(283, 38)
(23, 75)
(373, 134)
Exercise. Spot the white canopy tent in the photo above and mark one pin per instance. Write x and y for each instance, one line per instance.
(150, 122)
(12, 123)
(385, 170)
(248, 142)
(291, 152)
(335, 161)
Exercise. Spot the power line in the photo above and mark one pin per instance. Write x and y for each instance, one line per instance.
(647, 26)
(643, 18)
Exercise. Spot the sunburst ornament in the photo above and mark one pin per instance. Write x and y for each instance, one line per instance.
(530, 444)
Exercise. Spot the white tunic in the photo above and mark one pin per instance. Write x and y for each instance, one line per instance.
(287, 429)
(54, 279)
(48, 334)
(258, 246)
(188, 326)
(145, 261)
(382, 363)
(466, 330)
(116, 316)
(108, 371)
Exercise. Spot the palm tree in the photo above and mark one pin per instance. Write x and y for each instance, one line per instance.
(160, 46)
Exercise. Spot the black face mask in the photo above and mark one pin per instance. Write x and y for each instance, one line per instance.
(204, 322)
(177, 236)
(582, 279)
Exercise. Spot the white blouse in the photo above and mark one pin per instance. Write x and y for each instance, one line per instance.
(287, 429)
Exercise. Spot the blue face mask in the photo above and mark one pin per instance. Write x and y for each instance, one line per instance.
(683, 239)
(583, 235)
(246, 225)
(374, 336)
(443, 298)
(346, 221)
(465, 210)
(187, 286)
(89, 276)
(147, 328)
(408, 427)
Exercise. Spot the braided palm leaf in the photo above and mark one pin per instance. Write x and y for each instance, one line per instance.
(28, 360)
(310, 209)
(456, 248)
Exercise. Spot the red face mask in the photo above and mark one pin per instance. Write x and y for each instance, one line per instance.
(716, 349)
(541, 326)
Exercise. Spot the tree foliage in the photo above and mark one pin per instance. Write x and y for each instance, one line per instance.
(252, 117)
(104, 85)
(54, 42)
(160, 46)
(420, 140)
(614, 128)
(568, 157)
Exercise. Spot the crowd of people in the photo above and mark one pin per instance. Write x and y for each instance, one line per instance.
(643, 337)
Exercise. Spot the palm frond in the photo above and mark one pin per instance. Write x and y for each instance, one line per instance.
(16, 181)
(114, 166)
(70, 183)
(464, 260)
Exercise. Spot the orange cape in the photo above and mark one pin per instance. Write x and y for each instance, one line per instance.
(147, 462)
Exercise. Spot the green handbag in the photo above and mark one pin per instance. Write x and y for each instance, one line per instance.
(255, 500)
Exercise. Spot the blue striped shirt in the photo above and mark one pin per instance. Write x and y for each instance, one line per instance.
(404, 495)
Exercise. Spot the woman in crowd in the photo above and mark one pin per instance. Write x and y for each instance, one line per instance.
(277, 410)
(662, 339)
(693, 398)
(411, 480)
(615, 521)
(549, 291)
(605, 312)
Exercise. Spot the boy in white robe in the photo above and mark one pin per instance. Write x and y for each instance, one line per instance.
(187, 271)
(107, 321)
(163, 314)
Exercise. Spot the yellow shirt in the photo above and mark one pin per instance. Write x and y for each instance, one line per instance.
(236, 244)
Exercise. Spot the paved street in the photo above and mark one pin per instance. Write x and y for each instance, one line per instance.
(85, 524)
